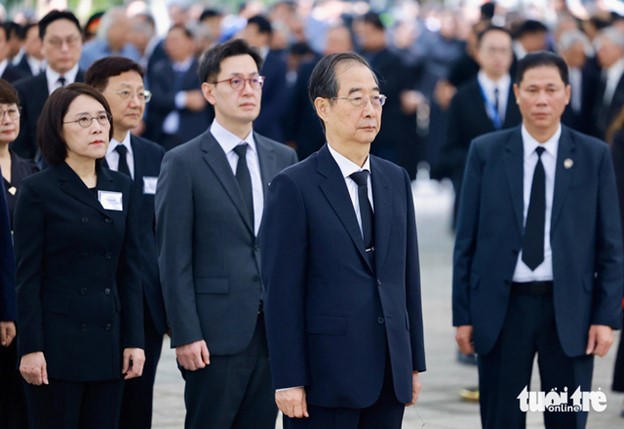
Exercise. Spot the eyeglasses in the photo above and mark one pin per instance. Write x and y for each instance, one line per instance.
(238, 83)
(58, 43)
(85, 121)
(144, 96)
(376, 100)
(13, 113)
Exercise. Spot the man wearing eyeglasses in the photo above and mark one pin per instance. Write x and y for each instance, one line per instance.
(340, 268)
(61, 46)
(120, 80)
(209, 205)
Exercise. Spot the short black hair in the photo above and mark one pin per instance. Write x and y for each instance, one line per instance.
(55, 15)
(263, 23)
(4, 27)
(489, 29)
(13, 29)
(530, 26)
(210, 62)
(374, 19)
(187, 32)
(103, 69)
(323, 82)
(50, 136)
(8, 94)
(542, 59)
(209, 13)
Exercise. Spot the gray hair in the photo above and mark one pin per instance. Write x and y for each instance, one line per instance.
(108, 20)
(572, 37)
(613, 34)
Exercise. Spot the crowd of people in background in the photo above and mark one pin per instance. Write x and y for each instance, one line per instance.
(436, 66)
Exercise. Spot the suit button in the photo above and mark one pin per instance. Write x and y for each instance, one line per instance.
(108, 326)
(83, 327)
(108, 220)
(84, 219)
(380, 320)
(107, 291)
(83, 291)
(108, 255)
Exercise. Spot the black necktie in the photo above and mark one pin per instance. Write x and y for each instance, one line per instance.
(122, 167)
(244, 179)
(62, 81)
(533, 245)
(366, 211)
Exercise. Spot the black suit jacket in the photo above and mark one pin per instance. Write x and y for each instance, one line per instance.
(147, 157)
(33, 93)
(12, 74)
(24, 66)
(603, 115)
(164, 89)
(467, 120)
(7, 265)
(274, 96)
(78, 274)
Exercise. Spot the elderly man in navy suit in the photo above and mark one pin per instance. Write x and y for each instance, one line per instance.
(120, 80)
(538, 254)
(340, 266)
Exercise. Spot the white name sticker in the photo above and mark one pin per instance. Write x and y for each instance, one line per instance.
(111, 200)
(149, 185)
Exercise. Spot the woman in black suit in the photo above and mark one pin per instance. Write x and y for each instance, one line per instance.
(14, 170)
(79, 298)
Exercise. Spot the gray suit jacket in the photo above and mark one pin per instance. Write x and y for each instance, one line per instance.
(208, 254)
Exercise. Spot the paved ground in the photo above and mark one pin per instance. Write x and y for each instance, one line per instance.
(439, 406)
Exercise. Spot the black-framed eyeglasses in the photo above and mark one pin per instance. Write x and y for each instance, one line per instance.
(144, 96)
(238, 83)
(376, 100)
(12, 112)
(85, 121)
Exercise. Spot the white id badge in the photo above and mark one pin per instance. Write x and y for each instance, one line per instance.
(111, 200)
(149, 185)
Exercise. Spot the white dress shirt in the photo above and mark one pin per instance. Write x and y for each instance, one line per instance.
(228, 142)
(502, 84)
(3, 66)
(53, 77)
(544, 271)
(348, 167)
(112, 156)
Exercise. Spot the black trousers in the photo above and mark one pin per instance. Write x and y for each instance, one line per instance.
(233, 392)
(386, 413)
(618, 370)
(74, 405)
(529, 329)
(12, 399)
(136, 407)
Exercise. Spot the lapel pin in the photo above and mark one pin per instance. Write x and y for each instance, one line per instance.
(12, 190)
(568, 163)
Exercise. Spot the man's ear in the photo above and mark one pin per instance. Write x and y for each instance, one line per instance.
(207, 90)
(322, 107)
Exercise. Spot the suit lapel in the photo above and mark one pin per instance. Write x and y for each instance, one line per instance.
(514, 165)
(267, 161)
(565, 157)
(335, 190)
(218, 163)
(71, 184)
(477, 94)
(382, 197)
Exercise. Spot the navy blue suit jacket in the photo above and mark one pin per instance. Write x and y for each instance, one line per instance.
(330, 316)
(147, 157)
(274, 95)
(7, 265)
(585, 238)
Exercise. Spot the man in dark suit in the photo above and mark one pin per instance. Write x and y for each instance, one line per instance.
(609, 96)
(342, 301)
(120, 80)
(209, 204)
(8, 72)
(61, 40)
(7, 279)
(484, 104)
(178, 111)
(31, 61)
(538, 254)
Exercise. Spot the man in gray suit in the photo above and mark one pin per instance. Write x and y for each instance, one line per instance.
(209, 203)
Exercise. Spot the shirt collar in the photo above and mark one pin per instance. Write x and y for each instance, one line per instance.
(347, 167)
(53, 76)
(530, 144)
(229, 141)
(488, 84)
(616, 69)
(3, 66)
(114, 143)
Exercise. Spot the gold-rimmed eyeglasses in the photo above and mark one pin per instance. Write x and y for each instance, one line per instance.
(376, 100)
(85, 121)
(238, 83)
(144, 96)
